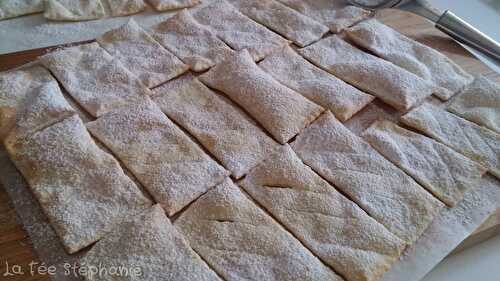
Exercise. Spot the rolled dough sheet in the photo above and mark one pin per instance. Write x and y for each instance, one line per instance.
(192, 42)
(282, 19)
(15, 87)
(411, 55)
(239, 31)
(338, 231)
(82, 189)
(168, 164)
(15, 8)
(166, 5)
(392, 84)
(386, 193)
(141, 54)
(445, 173)
(312, 82)
(149, 242)
(97, 81)
(479, 102)
(478, 143)
(282, 111)
(73, 10)
(336, 14)
(223, 129)
(43, 107)
(241, 242)
(126, 7)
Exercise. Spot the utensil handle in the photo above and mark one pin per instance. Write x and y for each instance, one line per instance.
(462, 31)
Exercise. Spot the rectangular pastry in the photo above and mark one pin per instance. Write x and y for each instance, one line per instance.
(385, 192)
(479, 102)
(336, 14)
(321, 87)
(282, 111)
(97, 81)
(192, 42)
(126, 7)
(73, 10)
(15, 87)
(337, 230)
(444, 172)
(149, 242)
(237, 30)
(411, 55)
(241, 242)
(282, 19)
(392, 84)
(222, 128)
(141, 54)
(173, 168)
(478, 143)
(82, 189)
(167, 5)
(15, 8)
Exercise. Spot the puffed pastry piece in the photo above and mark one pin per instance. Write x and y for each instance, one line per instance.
(73, 10)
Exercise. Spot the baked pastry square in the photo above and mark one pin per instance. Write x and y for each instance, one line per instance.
(336, 14)
(126, 7)
(282, 19)
(173, 168)
(15, 87)
(15, 8)
(385, 192)
(411, 55)
(166, 5)
(317, 85)
(73, 10)
(43, 107)
(141, 54)
(148, 242)
(222, 128)
(237, 30)
(82, 189)
(444, 172)
(478, 143)
(97, 81)
(391, 83)
(280, 110)
(241, 242)
(479, 102)
(192, 42)
(337, 230)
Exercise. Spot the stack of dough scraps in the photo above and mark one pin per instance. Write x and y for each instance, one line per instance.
(14, 8)
(280, 110)
(82, 189)
(478, 143)
(282, 19)
(141, 54)
(335, 14)
(173, 168)
(239, 31)
(479, 102)
(218, 124)
(96, 80)
(332, 226)
(241, 242)
(385, 192)
(392, 84)
(73, 10)
(192, 42)
(411, 55)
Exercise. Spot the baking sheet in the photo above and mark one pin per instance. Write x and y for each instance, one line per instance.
(444, 234)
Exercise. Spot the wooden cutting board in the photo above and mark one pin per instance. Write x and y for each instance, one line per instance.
(15, 245)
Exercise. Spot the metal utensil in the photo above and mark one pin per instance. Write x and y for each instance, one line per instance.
(447, 22)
